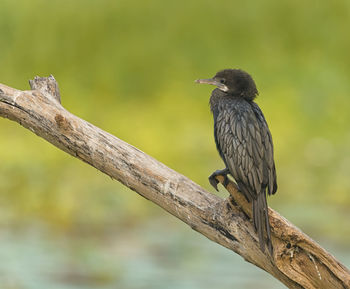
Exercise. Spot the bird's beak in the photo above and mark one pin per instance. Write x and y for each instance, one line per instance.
(212, 81)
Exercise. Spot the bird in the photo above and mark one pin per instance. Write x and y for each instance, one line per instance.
(244, 143)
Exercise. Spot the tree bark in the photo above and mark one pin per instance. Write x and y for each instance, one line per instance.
(297, 261)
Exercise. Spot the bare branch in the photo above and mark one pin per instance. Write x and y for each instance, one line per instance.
(298, 261)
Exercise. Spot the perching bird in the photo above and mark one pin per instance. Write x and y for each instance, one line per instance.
(244, 142)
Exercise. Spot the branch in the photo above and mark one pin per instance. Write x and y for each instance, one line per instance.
(298, 261)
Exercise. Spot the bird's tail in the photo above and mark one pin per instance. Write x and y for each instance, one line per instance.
(261, 222)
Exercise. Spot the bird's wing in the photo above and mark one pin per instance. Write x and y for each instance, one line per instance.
(269, 163)
(245, 148)
(245, 144)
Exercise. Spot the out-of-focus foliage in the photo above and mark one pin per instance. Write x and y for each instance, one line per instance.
(129, 66)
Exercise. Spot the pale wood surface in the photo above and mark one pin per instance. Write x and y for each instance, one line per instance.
(298, 261)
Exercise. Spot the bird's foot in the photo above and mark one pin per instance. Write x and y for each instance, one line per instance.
(213, 180)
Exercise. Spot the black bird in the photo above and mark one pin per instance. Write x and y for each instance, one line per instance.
(244, 142)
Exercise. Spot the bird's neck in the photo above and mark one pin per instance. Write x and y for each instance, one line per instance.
(219, 97)
(216, 97)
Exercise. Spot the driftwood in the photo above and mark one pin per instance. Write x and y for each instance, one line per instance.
(297, 261)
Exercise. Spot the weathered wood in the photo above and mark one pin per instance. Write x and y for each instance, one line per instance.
(298, 261)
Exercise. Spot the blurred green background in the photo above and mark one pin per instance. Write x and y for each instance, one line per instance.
(129, 67)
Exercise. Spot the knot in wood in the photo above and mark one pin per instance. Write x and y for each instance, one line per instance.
(62, 122)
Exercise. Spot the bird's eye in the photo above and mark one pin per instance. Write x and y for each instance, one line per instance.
(222, 80)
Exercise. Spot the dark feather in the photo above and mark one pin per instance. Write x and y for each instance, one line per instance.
(244, 142)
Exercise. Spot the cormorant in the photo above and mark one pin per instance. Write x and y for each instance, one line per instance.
(244, 142)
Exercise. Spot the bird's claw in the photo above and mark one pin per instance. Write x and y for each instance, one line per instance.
(213, 180)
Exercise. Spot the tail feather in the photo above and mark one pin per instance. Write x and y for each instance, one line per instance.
(261, 221)
(267, 224)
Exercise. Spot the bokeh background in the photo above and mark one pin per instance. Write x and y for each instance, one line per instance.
(128, 67)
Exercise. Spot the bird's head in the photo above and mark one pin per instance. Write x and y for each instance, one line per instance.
(234, 82)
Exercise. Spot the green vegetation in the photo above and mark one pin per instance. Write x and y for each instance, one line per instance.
(129, 67)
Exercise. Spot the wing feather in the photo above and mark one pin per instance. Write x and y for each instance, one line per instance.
(245, 141)
(245, 144)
